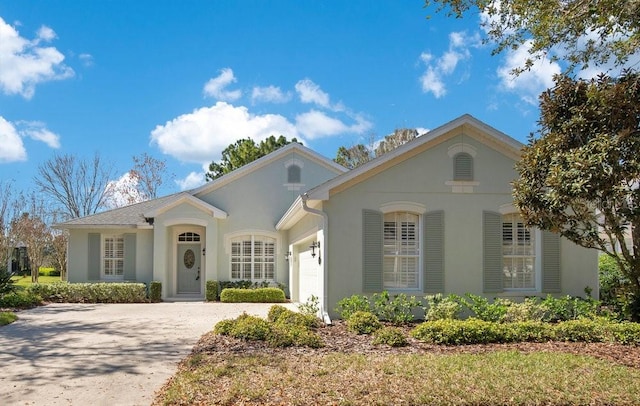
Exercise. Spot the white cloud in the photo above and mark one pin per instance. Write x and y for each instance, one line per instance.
(310, 92)
(201, 136)
(528, 84)
(191, 181)
(316, 124)
(87, 59)
(270, 94)
(24, 64)
(215, 87)
(37, 131)
(12, 147)
(437, 69)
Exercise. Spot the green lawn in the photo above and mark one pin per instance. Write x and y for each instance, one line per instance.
(500, 377)
(26, 280)
(7, 318)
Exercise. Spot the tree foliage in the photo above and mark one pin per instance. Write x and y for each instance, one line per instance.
(150, 174)
(583, 32)
(360, 154)
(581, 177)
(78, 186)
(243, 152)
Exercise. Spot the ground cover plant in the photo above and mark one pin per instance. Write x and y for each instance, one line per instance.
(596, 361)
(7, 318)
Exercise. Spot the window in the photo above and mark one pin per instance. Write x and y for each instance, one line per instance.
(189, 237)
(401, 263)
(253, 257)
(462, 166)
(113, 257)
(293, 174)
(518, 254)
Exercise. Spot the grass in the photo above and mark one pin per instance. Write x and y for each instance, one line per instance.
(26, 280)
(7, 318)
(501, 377)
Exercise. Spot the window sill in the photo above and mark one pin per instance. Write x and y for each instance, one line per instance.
(461, 186)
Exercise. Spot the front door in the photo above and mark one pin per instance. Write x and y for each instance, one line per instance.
(189, 268)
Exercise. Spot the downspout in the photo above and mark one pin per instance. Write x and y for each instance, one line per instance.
(325, 275)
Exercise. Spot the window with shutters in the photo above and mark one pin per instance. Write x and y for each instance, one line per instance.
(401, 251)
(462, 166)
(113, 257)
(518, 254)
(253, 257)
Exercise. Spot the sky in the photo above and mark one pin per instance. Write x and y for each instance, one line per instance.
(181, 80)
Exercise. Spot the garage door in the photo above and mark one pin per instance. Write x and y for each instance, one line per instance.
(308, 279)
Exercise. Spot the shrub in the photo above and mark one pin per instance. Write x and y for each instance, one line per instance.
(155, 291)
(483, 309)
(275, 312)
(349, 305)
(281, 315)
(582, 330)
(224, 327)
(363, 323)
(529, 310)
(569, 308)
(211, 291)
(285, 335)
(7, 318)
(311, 306)
(397, 310)
(6, 283)
(625, 333)
(20, 299)
(456, 332)
(391, 336)
(249, 327)
(259, 295)
(441, 307)
(614, 286)
(528, 331)
(64, 292)
(48, 272)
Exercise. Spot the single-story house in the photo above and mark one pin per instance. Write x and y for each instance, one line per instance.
(434, 215)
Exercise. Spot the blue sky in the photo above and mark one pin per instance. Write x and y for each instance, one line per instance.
(181, 80)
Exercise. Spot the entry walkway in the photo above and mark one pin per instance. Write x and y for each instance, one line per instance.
(102, 354)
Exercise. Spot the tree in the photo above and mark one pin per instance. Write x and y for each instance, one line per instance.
(581, 177)
(243, 152)
(360, 154)
(7, 214)
(585, 32)
(78, 186)
(150, 174)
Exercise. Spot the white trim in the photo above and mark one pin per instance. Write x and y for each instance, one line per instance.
(411, 207)
(104, 276)
(294, 161)
(462, 147)
(185, 221)
(173, 243)
(508, 208)
(461, 186)
(194, 201)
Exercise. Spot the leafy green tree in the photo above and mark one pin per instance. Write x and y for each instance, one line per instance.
(587, 32)
(243, 152)
(360, 154)
(581, 177)
(353, 156)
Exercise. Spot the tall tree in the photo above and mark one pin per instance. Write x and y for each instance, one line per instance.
(585, 32)
(243, 152)
(78, 186)
(150, 174)
(580, 177)
(360, 154)
(7, 214)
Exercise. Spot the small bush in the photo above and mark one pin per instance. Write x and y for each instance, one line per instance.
(155, 291)
(529, 310)
(528, 331)
(211, 291)
(311, 306)
(363, 323)
(456, 332)
(484, 310)
(20, 299)
(64, 292)
(569, 308)
(397, 310)
(625, 333)
(284, 335)
(249, 327)
(441, 307)
(391, 336)
(224, 327)
(349, 305)
(7, 318)
(259, 295)
(48, 272)
(6, 283)
(275, 312)
(583, 330)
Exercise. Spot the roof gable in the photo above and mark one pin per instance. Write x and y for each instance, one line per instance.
(266, 160)
(468, 124)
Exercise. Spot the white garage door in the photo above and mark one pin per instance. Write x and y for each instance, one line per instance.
(308, 279)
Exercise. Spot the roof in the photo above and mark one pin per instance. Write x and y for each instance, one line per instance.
(135, 215)
(467, 123)
(293, 147)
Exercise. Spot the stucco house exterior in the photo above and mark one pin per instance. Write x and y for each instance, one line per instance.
(434, 215)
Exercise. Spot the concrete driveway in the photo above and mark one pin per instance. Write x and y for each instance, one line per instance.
(102, 354)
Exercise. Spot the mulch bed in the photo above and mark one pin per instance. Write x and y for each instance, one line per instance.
(337, 339)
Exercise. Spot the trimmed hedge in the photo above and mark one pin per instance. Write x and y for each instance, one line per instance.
(211, 290)
(64, 292)
(20, 299)
(155, 291)
(260, 295)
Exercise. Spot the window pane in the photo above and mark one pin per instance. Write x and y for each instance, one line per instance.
(518, 250)
(401, 251)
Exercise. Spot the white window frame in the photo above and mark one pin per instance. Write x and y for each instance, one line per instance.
(112, 258)
(400, 251)
(518, 254)
(254, 258)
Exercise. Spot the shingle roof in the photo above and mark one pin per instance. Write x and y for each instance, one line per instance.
(128, 216)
